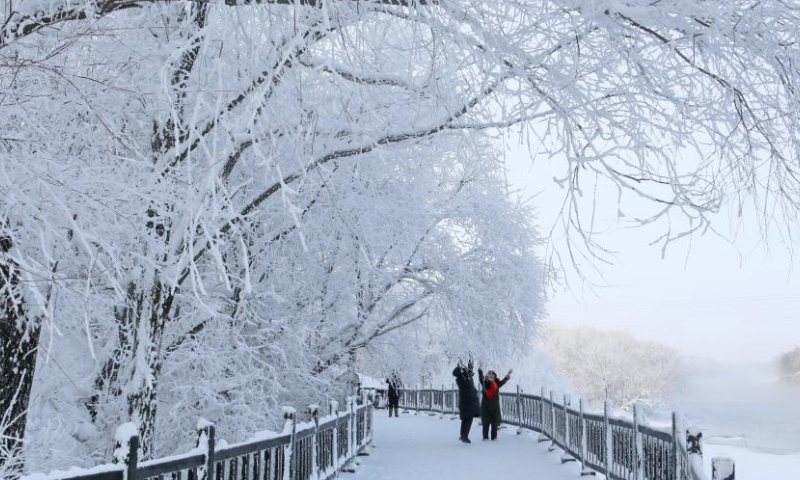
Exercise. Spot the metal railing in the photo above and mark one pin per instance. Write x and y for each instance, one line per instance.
(619, 448)
(313, 450)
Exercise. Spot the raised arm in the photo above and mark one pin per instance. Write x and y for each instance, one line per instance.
(505, 379)
(480, 376)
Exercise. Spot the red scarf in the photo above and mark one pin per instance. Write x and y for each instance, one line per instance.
(491, 390)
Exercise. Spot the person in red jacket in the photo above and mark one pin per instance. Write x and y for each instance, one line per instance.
(490, 401)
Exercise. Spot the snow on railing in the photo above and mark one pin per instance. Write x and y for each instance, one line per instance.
(619, 448)
(315, 450)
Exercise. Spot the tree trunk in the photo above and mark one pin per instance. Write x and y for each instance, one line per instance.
(147, 361)
(134, 367)
(107, 383)
(19, 341)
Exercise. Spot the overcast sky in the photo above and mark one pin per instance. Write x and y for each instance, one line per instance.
(734, 304)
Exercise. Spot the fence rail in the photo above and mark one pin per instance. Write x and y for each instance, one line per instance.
(620, 449)
(314, 450)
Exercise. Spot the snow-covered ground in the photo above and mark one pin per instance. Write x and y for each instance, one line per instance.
(743, 416)
(753, 465)
(423, 447)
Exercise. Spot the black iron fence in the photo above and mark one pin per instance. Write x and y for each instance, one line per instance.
(619, 448)
(313, 450)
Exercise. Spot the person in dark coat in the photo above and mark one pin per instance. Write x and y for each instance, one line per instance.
(468, 405)
(393, 394)
(491, 416)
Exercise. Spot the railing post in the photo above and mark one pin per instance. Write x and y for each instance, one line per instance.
(350, 457)
(333, 408)
(723, 468)
(354, 431)
(584, 442)
(417, 405)
(313, 411)
(443, 403)
(542, 403)
(133, 458)
(371, 412)
(126, 449)
(206, 434)
(553, 428)
(353, 426)
(638, 460)
(567, 457)
(289, 427)
(455, 399)
(676, 449)
(519, 410)
(609, 433)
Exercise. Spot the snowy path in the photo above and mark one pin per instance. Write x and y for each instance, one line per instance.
(422, 447)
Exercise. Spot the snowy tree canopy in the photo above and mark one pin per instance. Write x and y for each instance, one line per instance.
(608, 365)
(214, 206)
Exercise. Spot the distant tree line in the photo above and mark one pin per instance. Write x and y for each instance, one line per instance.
(788, 365)
(608, 365)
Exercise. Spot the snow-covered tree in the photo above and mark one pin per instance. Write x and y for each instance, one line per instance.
(188, 271)
(788, 365)
(607, 365)
(182, 179)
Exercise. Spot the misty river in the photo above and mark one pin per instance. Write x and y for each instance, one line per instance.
(743, 406)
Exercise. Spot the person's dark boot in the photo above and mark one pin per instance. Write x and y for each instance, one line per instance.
(464, 440)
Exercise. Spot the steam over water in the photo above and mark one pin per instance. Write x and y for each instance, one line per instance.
(745, 406)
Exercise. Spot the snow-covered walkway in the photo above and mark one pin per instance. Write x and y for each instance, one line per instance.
(423, 447)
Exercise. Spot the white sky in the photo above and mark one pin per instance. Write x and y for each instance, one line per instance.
(710, 303)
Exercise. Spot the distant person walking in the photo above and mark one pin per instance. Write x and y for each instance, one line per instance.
(491, 416)
(468, 404)
(393, 394)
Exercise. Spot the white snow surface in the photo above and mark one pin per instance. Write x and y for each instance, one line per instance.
(424, 447)
(751, 464)
(371, 382)
(125, 432)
